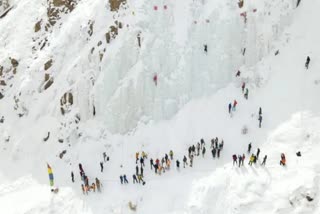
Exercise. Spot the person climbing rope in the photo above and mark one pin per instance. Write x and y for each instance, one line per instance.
(243, 86)
(139, 39)
(234, 105)
(238, 73)
(155, 79)
(246, 94)
(307, 62)
(101, 166)
(260, 120)
(205, 48)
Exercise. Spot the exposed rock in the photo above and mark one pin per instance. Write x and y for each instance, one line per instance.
(66, 101)
(1, 70)
(62, 154)
(14, 62)
(2, 82)
(1, 96)
(90, 31)
(48, 64)
(47, 137)
(115, 4)
(48, 83)
(37, 26)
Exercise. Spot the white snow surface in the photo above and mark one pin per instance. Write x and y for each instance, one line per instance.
(189, 103)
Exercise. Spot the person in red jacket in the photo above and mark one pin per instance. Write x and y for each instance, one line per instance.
(155, 79)
(234, 105)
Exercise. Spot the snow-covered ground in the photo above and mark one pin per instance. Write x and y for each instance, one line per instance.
(189, 103)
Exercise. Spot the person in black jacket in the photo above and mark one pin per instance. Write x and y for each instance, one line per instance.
(307, 62)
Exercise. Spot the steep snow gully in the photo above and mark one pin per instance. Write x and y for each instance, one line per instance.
(77, 78)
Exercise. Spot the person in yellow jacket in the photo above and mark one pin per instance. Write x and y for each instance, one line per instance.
(251, 160)
(171, 154)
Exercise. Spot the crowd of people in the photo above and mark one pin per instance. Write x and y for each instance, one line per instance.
(161, 165)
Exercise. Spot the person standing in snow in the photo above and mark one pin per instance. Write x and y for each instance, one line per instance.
(125, 179)
(80, 167)
(243, 86)
(137, 157)
(258, 153)
(243, 157)
(141, 171)
(234, 157)
(191, 160)
(142, 161)
(240, 160)
(178, 164)
(218, 153)
(185, 161)
(101, 166)
(260, 111)
(205, 48)
(203, 151)
(98, 185)
(137, 170)
(251, 160)
(221, 145)
(249, 148)
(121, 179)
(307, 62)
(198, 149)
(264, 160)
(234, 105)
(246, 94)
(260, 120)
(230, 107)
(202, 143)
(213, 151)
(171, 154)
(72, 177)
(134, 178)
(151, 163)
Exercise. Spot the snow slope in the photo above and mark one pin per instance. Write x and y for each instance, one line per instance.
(279, 84)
